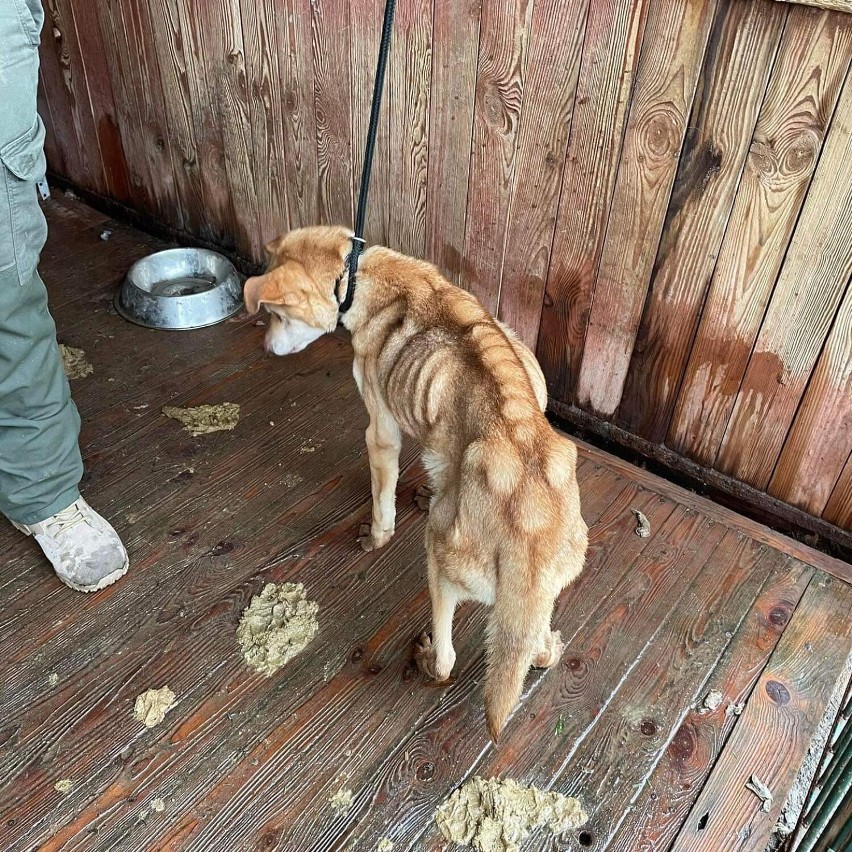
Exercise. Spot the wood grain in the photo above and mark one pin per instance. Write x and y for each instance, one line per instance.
(409, 81)
(672, 52)
(786, 705)
(224, 58)
(820, 439)
(333, 106)
(263, 85)
(837, 5)
(364, 48)
(114, 31)
(296, 66)
(193, 55)
(674, 663)
(52, 150)
(61, 123)
(169, 180)
(556, 46)
(812, 62)
(610, 55)
(94, 73)
(60, 34)
(839, 508)
(455, 50)
(503, 40)
(674, 783)
(173, 56)
(742, 46)
(809, 290)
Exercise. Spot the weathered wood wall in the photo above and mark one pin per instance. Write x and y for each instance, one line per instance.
(656, 193)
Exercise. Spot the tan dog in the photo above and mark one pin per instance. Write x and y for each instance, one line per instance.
(504, 519)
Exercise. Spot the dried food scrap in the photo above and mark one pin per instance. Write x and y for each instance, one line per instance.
(276, 625)
(761, 791)
(643, 528)
(152, 705)
(712, 701)
(494, 815)
(341, 801)
(204, 419)
(74, 362)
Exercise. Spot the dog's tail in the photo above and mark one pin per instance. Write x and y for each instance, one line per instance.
(519, 622)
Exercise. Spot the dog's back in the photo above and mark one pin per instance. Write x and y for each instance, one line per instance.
(505, 524)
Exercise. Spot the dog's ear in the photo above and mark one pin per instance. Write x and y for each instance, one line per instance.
(273, 247)
(281, 286)
(253, 292)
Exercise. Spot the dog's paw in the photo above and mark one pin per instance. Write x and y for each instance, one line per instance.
(423, 497)
(371, 539)
(551, 652)
(424, 655)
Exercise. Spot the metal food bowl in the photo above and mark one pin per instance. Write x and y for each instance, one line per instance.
(180, 289)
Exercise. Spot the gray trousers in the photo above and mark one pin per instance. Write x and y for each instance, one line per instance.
(40, 465)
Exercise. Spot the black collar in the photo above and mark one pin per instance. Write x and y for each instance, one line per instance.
(350, 267)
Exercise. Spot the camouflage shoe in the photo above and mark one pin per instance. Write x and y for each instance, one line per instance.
(83, 548)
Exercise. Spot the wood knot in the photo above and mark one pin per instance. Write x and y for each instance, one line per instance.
(648, 727)
(777, 692)
(270, 839)
(357, 655)
(426, 771)
(683, 745)
(493, 108)
(659, 134)
(778, 616)
(802, 154)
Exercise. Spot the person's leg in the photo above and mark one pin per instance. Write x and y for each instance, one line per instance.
(40, 464)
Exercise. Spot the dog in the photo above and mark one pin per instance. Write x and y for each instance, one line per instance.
(504, 525)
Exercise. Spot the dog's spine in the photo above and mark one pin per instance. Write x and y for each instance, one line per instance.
(518, 624)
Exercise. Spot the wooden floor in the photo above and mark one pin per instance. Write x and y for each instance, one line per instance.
(708, 602)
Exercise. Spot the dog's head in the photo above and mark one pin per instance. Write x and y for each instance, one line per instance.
(297, 290)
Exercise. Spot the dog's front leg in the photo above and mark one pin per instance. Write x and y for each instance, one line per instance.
(384, 442)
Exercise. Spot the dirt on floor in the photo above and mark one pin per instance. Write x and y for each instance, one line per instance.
(493, 815)
(204, 419)
(74, 362)
(277, 625)
(152, 705)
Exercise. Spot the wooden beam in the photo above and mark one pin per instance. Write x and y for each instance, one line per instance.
(741, 497)
(556, 47)
(812, 62)
(610, 56)
(503, 39)
(804, 304)
(773, 734)
(836, 5)
(742, 47)
(455, 51)
(672, 55)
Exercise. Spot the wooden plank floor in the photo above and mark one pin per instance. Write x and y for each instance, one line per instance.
(709, 601)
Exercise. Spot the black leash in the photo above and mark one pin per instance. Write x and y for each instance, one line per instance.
(358, 239)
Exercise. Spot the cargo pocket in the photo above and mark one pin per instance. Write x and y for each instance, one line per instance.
(31, 16)
(23, 228)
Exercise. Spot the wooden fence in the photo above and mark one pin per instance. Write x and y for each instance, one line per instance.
(657, 194)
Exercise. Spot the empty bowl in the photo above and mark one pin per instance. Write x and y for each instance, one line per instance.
(180, 289)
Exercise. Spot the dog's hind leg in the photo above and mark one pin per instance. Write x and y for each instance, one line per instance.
(384, 441)
(435, 655)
